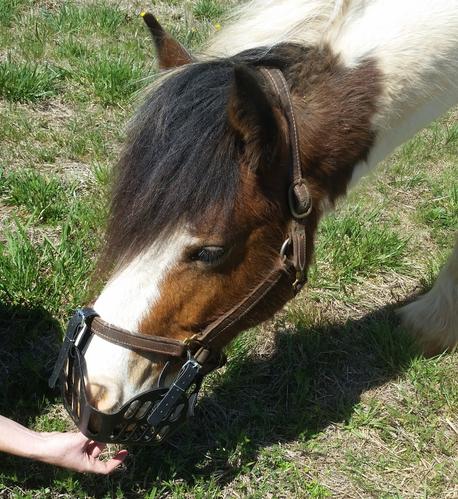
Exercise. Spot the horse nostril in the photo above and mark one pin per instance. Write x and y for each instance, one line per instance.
(104, 395)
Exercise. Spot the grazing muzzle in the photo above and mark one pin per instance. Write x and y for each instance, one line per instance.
(155, 414)
(145, 419)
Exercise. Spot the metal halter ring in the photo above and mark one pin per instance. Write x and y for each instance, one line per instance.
(284, 248)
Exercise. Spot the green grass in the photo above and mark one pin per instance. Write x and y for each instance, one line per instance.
(28, 82)
(208, 9)
(35, 271)
(367, 245)
(9, 10)
(79, 49)
(330, 399)
(46, 200)
(439, 210)
(95, 17)
(113, 80)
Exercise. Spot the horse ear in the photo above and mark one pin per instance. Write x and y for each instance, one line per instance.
(250, 110)
(170, 53)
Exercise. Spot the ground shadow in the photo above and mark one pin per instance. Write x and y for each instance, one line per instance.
(29, 341)
(312, 378)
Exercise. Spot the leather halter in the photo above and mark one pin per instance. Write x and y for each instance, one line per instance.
(206, 346)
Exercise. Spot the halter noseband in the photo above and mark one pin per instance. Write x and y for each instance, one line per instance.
(153, 415)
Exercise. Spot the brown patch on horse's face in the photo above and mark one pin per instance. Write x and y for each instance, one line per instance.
(194, 293)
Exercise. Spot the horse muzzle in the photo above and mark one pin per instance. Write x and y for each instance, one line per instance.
(146, 419)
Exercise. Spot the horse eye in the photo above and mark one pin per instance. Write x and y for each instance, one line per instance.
(209, 254)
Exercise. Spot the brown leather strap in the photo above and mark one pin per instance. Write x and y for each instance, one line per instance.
(299, 198)
(298, 191)
(137, 341)
(213, 337)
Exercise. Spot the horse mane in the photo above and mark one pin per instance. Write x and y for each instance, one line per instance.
(181, 157)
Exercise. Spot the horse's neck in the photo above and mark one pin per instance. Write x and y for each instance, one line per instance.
(415, 45)
(413, 42)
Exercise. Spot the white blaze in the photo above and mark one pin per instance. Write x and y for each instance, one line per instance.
(129, 294)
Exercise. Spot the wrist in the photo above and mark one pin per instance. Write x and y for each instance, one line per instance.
(19, 440)
(36, 448)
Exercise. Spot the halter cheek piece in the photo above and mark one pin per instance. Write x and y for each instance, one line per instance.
(151, 416)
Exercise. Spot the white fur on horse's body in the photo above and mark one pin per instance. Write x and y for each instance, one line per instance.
(415, 46)
(434, 316)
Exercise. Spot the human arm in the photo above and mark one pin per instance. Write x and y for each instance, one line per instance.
(69, 450)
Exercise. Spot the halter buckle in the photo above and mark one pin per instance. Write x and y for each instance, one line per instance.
(299, 199)
(188, 341)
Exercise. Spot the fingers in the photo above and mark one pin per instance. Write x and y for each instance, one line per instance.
(107, 467)
(96, 451)
(77, 452)
(95, 448)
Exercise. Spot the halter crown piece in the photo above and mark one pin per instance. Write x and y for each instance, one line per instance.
(152, 416)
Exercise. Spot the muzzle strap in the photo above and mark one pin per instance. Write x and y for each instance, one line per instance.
(141, 342)
(187, 375)
(75, 329)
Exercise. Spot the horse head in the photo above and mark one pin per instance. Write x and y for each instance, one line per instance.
(199, 208)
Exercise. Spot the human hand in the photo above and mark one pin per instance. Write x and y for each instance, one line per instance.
(75, 452)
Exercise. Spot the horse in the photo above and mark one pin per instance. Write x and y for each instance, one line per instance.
(199, 208)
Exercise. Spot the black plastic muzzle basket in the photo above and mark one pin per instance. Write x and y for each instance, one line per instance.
(147, 419)
(141, 420)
